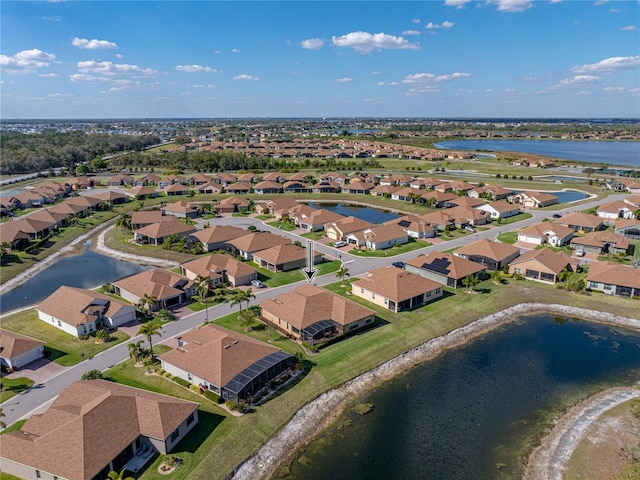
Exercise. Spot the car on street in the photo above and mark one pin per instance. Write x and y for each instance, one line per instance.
(398, 264)
(556, 215)
(258, 283)
(340, 244)
(469, 228)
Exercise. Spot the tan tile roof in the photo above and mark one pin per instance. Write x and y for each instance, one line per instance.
(627, 222)
(46, 215)
(412, 223)
(135, 191)
(209, 186)
(89, 424)
(502, 206)
(599, 238)
(309, 304)
(614, 273)
(176, 187)
(13, 344)
(256, 241)
(147, 217)
(181, 206)
(541, 197)
(75, 306)
(359, 185)
(439, 196)
(282, 203)
(497, 251)
(468, 201)
(266, 184)
(283, 254)
(219, 233)
(216, 263)
(615, 207)
(69, 208)
(349, 225)
(395, 284)
(164, 229)
(216, 354)
(109, 195)
(580, 219)
(633, 200)
(155, 282)
(383, 233)
(238, 186)
(386, 189)
(456, 267)
(554, 261)
(10, 233)
(540, 229)
(241, 202)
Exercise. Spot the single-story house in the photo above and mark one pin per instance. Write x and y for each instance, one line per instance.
(468, 202)
(112, 198)
(444, 268)
(166, 287)
(336, 177)
(238, 188)
(78, 311)
(209, 188)
(465, 215)
(214, 238)
(379, 237)
(612, 211)
(120, 179)
(601, 243)
(546, 232)
(285, 257)
(220, 268)
(181, 209)
(314, 315)
(358, 188)
(249, 178)
(142, 218)
(17, 350)
(55, 219)
(13, 236)
(176, 189)
(581, 222)
(614, 279)
(385, 191)
(28, 199)
(278, 207)
(140, 193)
(493, 192)
(157, 233)
(226, 179)
(201, 179)
(94, 427)
(232, 205)
(397, 179)
(543, 265)
(293, 186)
(414, 226)
(438, 199)
(234, 366)
(406, 194)
(34, 228)
(455, 186)
(326, 186)
(339, 229)
(396, 289)
(314, 219)
(266, 187)
(274, 177)
(251, 243)
(630, 228)
(493, 255)
(534, 199)
(500, 209)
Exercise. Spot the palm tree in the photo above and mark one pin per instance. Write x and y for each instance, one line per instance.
(134, 350)
(124, 222)
(148, 330)
(342, 272)
(470, 282)
(202, 286)
(248, 296)
(113, 475)
(564, 276)
(237, 298)
(146, 303)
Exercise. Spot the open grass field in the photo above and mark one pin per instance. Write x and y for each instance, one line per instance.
(65, 348)
(227, 440)
(395, 250)
(283, 278)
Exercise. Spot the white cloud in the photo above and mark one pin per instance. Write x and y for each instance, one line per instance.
(456, 3)
(614, 10)
(512, 5)
(52, 18)
(363, 42)
(93, 44)
(203, 86)
(416, 20)
(26, 61)
(575, 81)
(235, 50)
(390, 84)
(445, 24)
(629, 28)
(109, 68)
(376, 72)
(343, 80)
(312, 43)
(244, 76)
(411, 32)
(119, 55)
(609, 65)
(83, 77)
(126, 85)
(195, 69)
(61, 95)
(429, 82)
(48, 75)
(614, 89)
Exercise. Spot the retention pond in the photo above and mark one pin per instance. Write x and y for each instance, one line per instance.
(478, 410)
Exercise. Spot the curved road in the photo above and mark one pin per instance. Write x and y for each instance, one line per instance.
(22, 405)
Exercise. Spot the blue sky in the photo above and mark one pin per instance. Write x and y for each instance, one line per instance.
(447, 58)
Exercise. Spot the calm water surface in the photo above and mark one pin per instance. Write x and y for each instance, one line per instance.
(616, 153)
(87, 270)
(369, 214)
(475, 412)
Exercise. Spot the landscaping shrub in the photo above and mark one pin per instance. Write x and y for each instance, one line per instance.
(214, 397)
(194, 388)
(181, 381)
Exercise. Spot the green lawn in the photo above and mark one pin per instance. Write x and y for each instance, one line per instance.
(314, 235)
(284, 226)
(12, 428)
(508, 237)
(13, 386)
(283, 278)
(514, 219)
(395, 250)
(65, 349)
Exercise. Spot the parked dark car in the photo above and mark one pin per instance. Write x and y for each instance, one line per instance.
(398, 264)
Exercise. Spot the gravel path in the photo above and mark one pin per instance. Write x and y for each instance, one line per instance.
(329, 405)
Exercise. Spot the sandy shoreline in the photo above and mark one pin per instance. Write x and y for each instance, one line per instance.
(326, 407)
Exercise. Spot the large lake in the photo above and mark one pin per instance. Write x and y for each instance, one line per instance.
(475, 412)
(87, 270)
(616, 153)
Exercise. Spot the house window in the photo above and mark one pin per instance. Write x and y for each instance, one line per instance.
(428, 294)
(352, 325)
(373, 295)
(438, 291)
(362, 290)
(368, 320)
(607, 286)
(386, 301)
(175, 434)
(190, 419)
(59, 323)
(516, 271)
(593, 284)
(189, 377)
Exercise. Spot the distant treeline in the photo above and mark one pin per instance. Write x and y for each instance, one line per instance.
(33, 152)
(229, 160)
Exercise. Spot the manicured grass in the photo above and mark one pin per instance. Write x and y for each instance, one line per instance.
(264, 217)
(508, 237)
(285, 226)
(514, 219)
(283, 278)
(118, 240)
(395, 250)
(314, 235)
(12, 428)
(65, 348)
(13, 386)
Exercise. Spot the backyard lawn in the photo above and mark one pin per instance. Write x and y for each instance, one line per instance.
(395, 250)
(283, 278)
(13, 386)
(65, 349)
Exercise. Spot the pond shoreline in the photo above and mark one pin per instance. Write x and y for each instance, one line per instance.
(328, 406)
